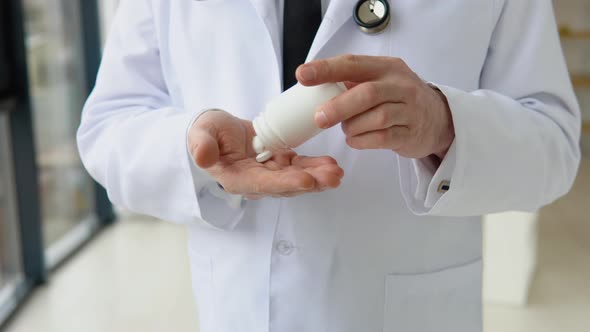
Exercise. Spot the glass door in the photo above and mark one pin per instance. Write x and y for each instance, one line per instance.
(57, 87)
(49, 205)
(11, 272)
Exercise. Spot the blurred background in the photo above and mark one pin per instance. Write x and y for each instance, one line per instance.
(67, 264)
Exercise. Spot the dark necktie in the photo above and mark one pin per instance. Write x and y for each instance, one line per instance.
(301, 20)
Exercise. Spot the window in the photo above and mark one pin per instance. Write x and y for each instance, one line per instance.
(55, 53)
(11, 275)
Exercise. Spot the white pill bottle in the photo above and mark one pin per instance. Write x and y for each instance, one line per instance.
(288, 120)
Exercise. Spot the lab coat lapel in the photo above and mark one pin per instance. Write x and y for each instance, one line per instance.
(338, 13)
(267, 11)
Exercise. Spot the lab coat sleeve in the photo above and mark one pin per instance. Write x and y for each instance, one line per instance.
(516, 141)
(133, 139)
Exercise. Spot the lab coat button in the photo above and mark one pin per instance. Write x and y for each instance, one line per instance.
(285, 248)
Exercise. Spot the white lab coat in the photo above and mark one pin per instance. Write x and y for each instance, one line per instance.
(384, 252)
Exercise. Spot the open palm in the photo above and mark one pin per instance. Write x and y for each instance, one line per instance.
(222, 145)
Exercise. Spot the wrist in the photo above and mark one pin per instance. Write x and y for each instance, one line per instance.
(447, 128)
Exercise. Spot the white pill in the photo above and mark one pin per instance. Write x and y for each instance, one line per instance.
(264, 156)
(257, 145)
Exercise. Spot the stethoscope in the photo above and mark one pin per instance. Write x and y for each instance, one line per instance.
(372, 16)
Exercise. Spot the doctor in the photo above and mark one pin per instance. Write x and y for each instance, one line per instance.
(385, 233)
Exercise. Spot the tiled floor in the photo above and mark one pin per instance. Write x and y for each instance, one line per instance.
(134, 277)
(560, 294)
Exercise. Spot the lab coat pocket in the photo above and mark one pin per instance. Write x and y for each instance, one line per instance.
(442, 301)
(202, 280)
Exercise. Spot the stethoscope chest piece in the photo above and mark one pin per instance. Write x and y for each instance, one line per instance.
(372, 16)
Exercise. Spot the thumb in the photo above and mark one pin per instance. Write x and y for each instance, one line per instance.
(204, 149)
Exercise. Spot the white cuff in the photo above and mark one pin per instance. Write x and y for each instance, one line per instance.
(441, 182)
(423, 183)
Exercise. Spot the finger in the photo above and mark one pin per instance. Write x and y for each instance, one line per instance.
(283, 181)
(298, 193)
(290, 195)
(268, 184)
(380, 117)
(273, 165)
(327, 176)
(290, 158)
(391, 138)
(332, 169)
(306, 162)
(284, 158)
(251, 197)
(350, 85)
(354, 68)
(287, 195)
(353, 102)
(248, 177)
(206, 149)
(260, 180)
